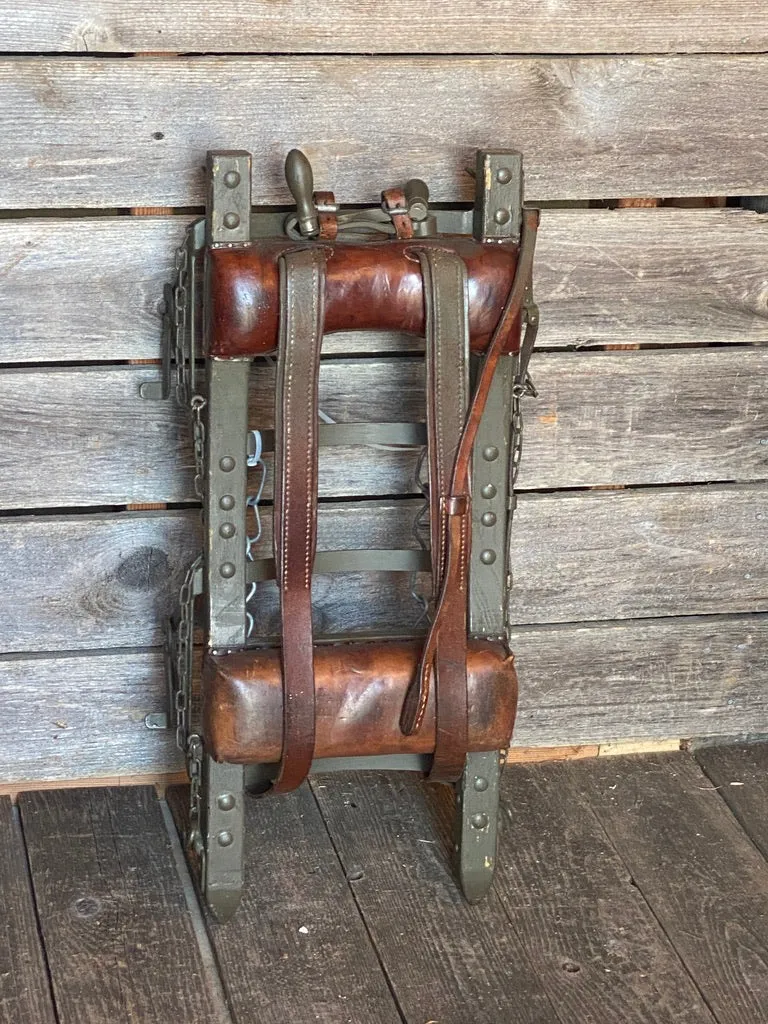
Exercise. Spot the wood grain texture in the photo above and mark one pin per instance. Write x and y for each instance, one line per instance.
(510, 26)
(446, 961)
(90, 289)
(595, 944)
(589, 127)
(108, 580)
(705, 881)
(25, 995)
(616, 681)
(740, 774)
(92, 581)
(82, 715)
(601, 418)
(297, 949)
(112, 911)
(627, 554)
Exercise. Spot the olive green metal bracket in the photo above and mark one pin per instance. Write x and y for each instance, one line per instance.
(497, 215)
(224, 521)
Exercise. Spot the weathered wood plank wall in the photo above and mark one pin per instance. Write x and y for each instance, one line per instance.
(590, 127)
(367, 26)
(641, 608)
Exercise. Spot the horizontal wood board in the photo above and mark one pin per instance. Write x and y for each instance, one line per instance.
(590, 127)
(487, 26)
(653, 417)
(82, 715)
(90, 289)
(108, 580)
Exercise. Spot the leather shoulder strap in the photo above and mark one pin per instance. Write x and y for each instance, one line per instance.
(451, 602)
(302, 294)
(447, 385)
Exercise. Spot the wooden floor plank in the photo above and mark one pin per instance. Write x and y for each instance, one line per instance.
(446, 961)
(25, 994)
(113, 915)
(741, 776)
(705, 881)
(297, 950)
(595, 945)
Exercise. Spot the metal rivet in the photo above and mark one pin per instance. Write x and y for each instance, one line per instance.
(226, 464)
(227, 570)
(227, 502)
(481, 784)
(490, 453)
(479, 820)
(231, 221)
(503, 175)
(501, 216)
(488, 557)
(488, 491)
(225, 838)
(226, 801)
(488, 519)
(227, 530)
(232, 180)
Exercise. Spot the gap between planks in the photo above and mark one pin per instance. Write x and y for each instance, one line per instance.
(516, 755)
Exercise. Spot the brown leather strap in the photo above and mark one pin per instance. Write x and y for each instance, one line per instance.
(447, 335)
(325, 203)
(394, 202)
(302, 296)
(452, 597)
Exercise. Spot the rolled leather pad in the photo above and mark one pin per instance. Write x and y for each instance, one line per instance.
(375, 286)
(360, 691)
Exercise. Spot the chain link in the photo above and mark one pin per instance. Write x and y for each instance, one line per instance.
(180, 297)
(520, 389)
(197, 405)
(185, 637)
(190, 743)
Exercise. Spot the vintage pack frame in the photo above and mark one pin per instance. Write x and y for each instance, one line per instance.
(215, 390)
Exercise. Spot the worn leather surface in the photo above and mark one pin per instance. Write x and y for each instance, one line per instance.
(447, 365)
(370, 286)
(451, 610)
(302, 275)
(360, 688)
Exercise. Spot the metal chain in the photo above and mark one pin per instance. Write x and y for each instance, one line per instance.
(185, 631)
(190, 743)
(180, 297)
(197, 405)
(520, 389)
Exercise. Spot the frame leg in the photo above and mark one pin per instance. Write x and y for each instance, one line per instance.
(477, 812)
(223, 837)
